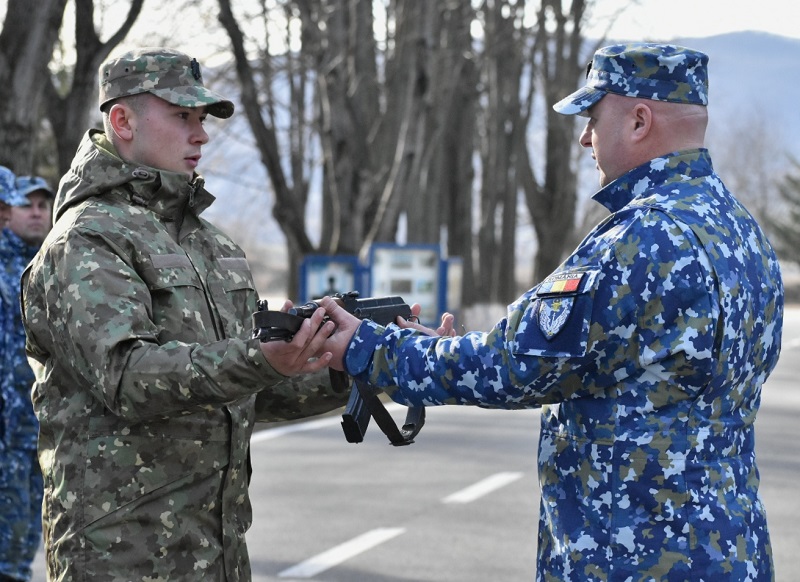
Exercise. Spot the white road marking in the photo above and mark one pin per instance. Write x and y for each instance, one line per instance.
(273, 433)
(482, 487)
(321, 562)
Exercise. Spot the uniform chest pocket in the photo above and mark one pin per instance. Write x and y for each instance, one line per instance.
(234, 294)
(558, 317)
(175, 295)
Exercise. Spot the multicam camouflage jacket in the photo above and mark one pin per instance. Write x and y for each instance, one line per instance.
(137, 313)
(648, 349)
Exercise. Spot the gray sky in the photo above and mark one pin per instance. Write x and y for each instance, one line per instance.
(661, 20)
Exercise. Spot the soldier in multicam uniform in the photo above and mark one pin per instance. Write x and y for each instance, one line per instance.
(647, 348)
(19, 534)
(148, 384)
(22, 479)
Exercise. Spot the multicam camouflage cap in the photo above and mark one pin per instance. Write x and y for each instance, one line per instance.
(8, 190)
(166, 73)
(662, 72)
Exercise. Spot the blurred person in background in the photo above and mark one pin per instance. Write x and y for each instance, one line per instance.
(25, 223)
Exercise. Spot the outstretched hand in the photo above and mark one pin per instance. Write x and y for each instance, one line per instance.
(346, 325)
(447, 327)
(305, 352)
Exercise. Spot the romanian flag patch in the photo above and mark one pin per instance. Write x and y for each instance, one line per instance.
(561, 283)
(557, 296)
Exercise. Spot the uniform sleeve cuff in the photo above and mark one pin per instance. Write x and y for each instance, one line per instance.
(358, 356)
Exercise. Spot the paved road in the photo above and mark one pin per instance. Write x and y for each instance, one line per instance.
(461, 503)
(315, 495)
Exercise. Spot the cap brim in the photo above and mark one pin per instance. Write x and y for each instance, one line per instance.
(15, 200)
(578, 102)
(197, 96)
(46, 191)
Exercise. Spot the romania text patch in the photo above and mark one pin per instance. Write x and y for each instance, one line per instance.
(559, 283)
(557, 295)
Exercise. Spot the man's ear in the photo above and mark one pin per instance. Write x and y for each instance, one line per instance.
(642, 121)
(120, 117)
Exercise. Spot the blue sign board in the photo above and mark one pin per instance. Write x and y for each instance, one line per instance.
(415, 272)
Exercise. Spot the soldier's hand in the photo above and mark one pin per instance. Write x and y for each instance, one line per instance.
(447, 327)
(305, 353)
(346, 326)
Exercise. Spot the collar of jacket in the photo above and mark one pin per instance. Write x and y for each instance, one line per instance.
(167, 193)
(679, 166)
(97, 169)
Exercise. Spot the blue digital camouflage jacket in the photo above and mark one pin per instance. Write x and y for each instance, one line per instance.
(19, 425)
(648, 348)
(6, 313)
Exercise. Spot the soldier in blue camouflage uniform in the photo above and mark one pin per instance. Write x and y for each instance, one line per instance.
(20, 497)
(647, 348)
(138, 313)
(22, 479)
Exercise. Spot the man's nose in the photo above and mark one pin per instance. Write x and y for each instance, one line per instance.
(586, 137)
(200, 134)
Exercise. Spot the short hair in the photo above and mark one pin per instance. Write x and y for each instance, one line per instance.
(134, 102)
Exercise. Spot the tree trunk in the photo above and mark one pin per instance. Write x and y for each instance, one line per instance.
(289, 209)
(26, 45)
(397, 128)
(69, 110)
(501, 119)
(450, 179)
(552, 204)
(348, 99)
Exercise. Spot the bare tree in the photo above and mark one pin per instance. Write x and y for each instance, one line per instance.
(382, 128)
(750, 159)
(783, 220)
(31, 90)
(290, 190)
(501, 64)
(399, 117)
(525, 65)
(338, 39)
(559, 62)
(68, 104)
(380, 120)
(441, 195)
(26, 45)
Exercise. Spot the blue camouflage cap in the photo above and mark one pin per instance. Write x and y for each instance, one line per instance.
(8, 189)
(662, 72)
(166, 73)
(27, 184)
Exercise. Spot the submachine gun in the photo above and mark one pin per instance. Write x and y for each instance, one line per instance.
(364, 402)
